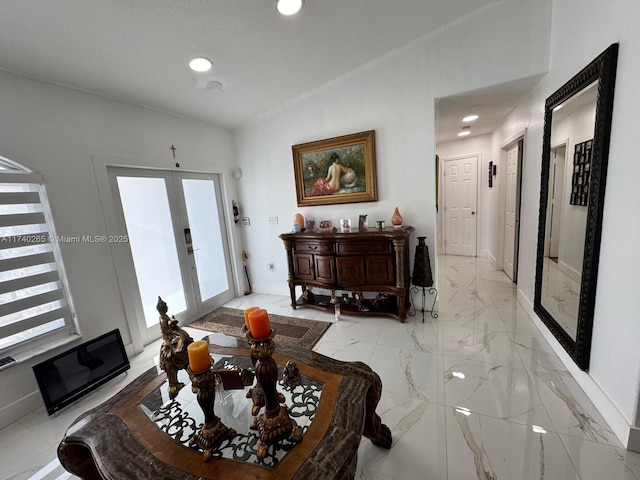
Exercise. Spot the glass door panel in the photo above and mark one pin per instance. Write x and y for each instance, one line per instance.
(208, 246)
(147, 215)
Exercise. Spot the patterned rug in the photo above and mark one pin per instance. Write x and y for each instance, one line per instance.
(289, 330)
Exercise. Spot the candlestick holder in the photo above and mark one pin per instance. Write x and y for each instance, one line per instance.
(255, 393)
(213, 431)
(274, 424)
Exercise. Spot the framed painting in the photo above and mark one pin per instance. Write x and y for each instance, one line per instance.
(336, 170)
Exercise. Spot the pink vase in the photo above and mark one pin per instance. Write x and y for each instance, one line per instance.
(396, 219)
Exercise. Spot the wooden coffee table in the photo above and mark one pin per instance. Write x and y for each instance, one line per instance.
(124, 438)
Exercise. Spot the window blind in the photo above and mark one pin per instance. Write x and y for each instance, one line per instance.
(32, 295)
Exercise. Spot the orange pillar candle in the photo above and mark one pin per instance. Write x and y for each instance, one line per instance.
(259, 322)
(247, 311)
(198, 353)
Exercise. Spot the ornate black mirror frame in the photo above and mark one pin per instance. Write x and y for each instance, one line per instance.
(602, 70)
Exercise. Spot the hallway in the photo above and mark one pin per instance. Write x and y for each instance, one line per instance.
(475, 394)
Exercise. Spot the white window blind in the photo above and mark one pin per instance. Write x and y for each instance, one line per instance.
(33, 302)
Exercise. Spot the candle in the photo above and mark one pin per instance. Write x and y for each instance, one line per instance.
(247, 311)
(198, 353)
(259, 322)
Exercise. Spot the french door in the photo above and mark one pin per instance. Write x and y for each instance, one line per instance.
(174, 227)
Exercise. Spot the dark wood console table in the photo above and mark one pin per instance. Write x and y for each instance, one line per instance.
(123, 438)
(358, 261)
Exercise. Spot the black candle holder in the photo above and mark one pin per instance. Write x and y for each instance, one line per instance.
(274, 424)
(213, 431)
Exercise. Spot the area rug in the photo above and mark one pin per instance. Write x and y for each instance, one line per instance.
(289, 330)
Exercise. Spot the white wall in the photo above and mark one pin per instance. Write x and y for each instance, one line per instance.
(395, 97)
(55, 131)
(612, 382)
(615, 354)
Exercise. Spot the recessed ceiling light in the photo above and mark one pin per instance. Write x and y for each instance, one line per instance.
(464, 132)
(289, 7)
(200, 64)
(470, 118)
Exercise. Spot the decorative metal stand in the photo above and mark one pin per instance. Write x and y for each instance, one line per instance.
(173, 351)
(213, 432)
(431, 291)
(423, 278)
(274, 424)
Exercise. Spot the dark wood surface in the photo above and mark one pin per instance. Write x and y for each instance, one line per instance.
(372, 260)
(118, 441)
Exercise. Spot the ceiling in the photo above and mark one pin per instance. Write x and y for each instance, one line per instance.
(137, 51)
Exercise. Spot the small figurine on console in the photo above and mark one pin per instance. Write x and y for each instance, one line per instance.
(173, 351)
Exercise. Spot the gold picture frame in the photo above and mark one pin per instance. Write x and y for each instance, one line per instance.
(336, 170)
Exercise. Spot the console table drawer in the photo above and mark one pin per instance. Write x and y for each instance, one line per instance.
(313, 247)
(368, 247)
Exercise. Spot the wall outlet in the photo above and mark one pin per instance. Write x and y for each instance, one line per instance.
(273, 220)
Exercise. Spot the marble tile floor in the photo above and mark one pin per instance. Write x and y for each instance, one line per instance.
(475, 394)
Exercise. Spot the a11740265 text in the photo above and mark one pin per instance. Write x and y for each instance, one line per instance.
(40, 238)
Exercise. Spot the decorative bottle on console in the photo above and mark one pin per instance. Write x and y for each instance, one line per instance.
(396, 219)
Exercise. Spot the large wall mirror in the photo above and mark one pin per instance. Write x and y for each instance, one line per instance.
(577, 128)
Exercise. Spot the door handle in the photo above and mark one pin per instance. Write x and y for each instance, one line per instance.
(473, 213)
(188, 240)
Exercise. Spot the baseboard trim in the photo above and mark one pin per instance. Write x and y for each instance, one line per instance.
(20, 408)
(633, 443)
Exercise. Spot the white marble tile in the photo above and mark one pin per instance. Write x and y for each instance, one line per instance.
(464, 291)
(478, 317)
(487, 448)
(595, 461)
(21, 450)
(485, 345)
(419, 442)
(489, 273)
(412, 374)
(345, 350)
(571, 412)
(517, 320)
(357, 331)
(413, 335)
(500, 391)
(537, 354)
(501, 294)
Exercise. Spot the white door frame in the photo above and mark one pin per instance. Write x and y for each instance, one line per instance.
(132, 309)
(502, 197)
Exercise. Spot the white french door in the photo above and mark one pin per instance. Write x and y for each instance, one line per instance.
(460, 205)
(178, 250)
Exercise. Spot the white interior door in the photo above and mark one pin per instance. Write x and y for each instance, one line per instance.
(177, 245)
(511, 211)
(460, 204)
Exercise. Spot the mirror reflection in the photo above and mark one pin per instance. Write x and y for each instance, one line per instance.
(575, 152)
(572, 130)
